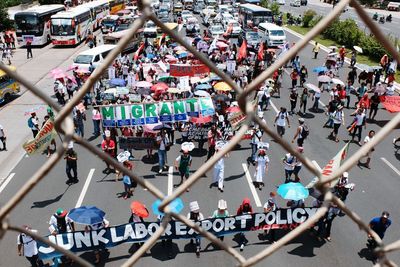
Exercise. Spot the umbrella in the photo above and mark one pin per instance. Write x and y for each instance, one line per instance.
(72, 67)
(293, 191)
(222, 86)
(179, 48)
(183, 54)
(358, 49)
(59, 75)
(215, 77)
(313, 87)
(170, 57)
(143, 91)
(150, 56)
(332, 47)
(337, 81)
(159, 87)
(161, 126)
(117, 82)
(221, 97)
(139, 209)
(324, 79)
(144, 84)
(320, 69)
(202, 93)
(72, 78)
(175, 206)
(233, 109)
(55, 71)
(87, 215)
(222, 45)
(149, 128)
(203, 86)
(201, 119)
(187, 146)
(263, 145)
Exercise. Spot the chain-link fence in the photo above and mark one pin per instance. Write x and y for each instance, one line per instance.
(64, 125)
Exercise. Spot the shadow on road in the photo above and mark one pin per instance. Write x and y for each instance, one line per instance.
(47, 202)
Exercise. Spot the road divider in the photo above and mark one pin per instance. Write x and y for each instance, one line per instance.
(170, 179)
(389, 164)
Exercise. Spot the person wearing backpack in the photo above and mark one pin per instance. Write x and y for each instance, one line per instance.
(302, 133)
(27, 246)
(33, 124)
(280, 121)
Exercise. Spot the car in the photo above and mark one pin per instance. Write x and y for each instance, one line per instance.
(167, 3)
(150, 30)
(185, 15)
(192, 26)
(155, 4)
(251, 37)
(295, 3)
(216, 30)
(303, 2)
(225, 18)
(163, 15)
(236, 28)
(207, 20)
(207, 10)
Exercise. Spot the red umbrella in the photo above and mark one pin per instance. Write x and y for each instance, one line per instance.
(139, 209)
(201, 119)
(160, 87)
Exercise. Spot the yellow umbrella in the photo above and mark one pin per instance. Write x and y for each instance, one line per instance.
(222, 86)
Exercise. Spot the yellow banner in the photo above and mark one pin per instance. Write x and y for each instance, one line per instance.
(42, 139)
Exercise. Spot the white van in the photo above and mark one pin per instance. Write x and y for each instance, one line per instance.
(95, 56)
(273, 34)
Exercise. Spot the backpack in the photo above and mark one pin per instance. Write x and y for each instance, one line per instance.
(30, 123)
(264, 98)
(305, 131)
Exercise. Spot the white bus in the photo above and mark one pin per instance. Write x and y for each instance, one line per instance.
(99, 9)
(33, 24)
(72, 26)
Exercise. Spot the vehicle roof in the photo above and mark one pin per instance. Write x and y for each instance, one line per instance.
(114, 17)
(12, 68)
(270, 26)
(40, 9)
(97, 50)
(254, 7)
(71, 12)
(94, 3)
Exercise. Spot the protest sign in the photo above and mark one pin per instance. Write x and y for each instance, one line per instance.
(179, 70)
(236, 119)
(141, 231)
(154, 112)
(183, 82)
(198, 133)
(42, 139)
(137, 143)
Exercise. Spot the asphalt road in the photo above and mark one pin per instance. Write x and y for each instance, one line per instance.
(376, 190)
(322, 9)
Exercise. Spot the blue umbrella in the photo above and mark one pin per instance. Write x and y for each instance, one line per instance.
(203, 86)
(87, 215)
(150, 56)
(293, 191)
(182, 55)
(320, 69)
(117, 82)
(176, 206)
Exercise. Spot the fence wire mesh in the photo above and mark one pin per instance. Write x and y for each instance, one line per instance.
(64, 125)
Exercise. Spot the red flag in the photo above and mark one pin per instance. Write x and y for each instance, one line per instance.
(391, 103)
(162, 39)
(242, 51)
(364, 101)
(260, 54)
(137, 53)
(228, 30)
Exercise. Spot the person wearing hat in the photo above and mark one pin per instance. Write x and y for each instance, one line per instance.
(60, 223)
(71, 158)
(221, 212)
(33, 124)
(195, 215)
(182, 164)
(129, 184)
(269, 206)
(302, 132)
(108, 146)
(219, 170)
(262, 162)
(338, 119)
(244, 208)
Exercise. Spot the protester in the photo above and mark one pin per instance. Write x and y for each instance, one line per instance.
(33, 123)
(71, 159)
(262, 162)
(289, 164)
(244, 208)
(316, 49)
(28, 46)
(163, 145)
(60, 223)
(3, 138)
(380, 224)
(302, 132)
(27, 247)
(195, 215)
(108, 146)
(280, 121)
(182, 164)
(367, 139)
(221, 212)
(269, 206)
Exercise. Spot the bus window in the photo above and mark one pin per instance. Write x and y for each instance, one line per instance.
(96, 58)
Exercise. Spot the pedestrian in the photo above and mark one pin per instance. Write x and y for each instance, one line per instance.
(70, 86)
(353, 59)
(280, 121)
(163, 146)
(289, 164)
(129, 184)
(349, 89)
(59, 91)
(96, 118)
(28, 46)
(71, 158)
(219, 170)
(33, 124)
(297, 165)
(315, 97)
(60, 223)
(182, 164)
(262, 162)
(359, 122)
(108, 146)
(380, 224)
(294, 76)
(338, 119)
(213, 135)
(303, 101)
(79, 116)
(256, 137)
(302, 132)
(367, 139)
(324, 230)
(293, 101)
(27, 247)
(3, 138)
(316, 49)
(244, 208)
(195, 215)
(221, 212)
(352, 76)
(342, 188)
(374, 105)
(269, 206)
(303, 75)
(360, 92)
(95, 227)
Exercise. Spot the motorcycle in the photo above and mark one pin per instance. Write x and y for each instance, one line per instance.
(382, 20)
(375, 17)
(389, 18)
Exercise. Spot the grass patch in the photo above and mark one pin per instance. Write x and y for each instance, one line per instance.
(362, 59)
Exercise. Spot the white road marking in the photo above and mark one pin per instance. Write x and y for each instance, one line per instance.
(85, 188)
(252, 188)
(6, 181)
(316, 165)
(273, 106)
(387, 163)
(170, 180)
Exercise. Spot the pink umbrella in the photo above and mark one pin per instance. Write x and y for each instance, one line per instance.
(179, 48)
(59, 76)
(149, 128)
(170, 58)
(72, 67)
(222, 45)
(56, 72)
(143, 84)
(72, 78)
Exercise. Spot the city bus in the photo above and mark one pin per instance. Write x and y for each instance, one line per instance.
(116, 5)
(251, 15)
(8, 86)
(99, 10)
(33, 24)
(72, 26)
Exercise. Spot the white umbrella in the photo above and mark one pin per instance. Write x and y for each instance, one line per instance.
(202, 93)
(337, 81)
(358, 49)
(187, 146)
(324, 79)
(313, 87)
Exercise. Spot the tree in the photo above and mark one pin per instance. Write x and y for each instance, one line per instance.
(274, 8)
(308, 16)
(5, 22)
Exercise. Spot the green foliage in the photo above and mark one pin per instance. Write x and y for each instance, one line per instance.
(9, 3)
(368, 2)
(308, 16)
(49, 2)
(264, 3)
(372, 47)
(315, 21)
(275, 8)
(5, 22)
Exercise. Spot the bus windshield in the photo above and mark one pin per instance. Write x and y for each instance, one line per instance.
(61, 27)
(29, 24)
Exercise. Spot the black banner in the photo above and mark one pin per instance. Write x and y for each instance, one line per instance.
(137, 143)
(138, 232)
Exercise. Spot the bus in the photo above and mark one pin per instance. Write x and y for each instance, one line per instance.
(116, 5)
(251, 15)
(99, 10)
(72, 26)
(8, 86)
(33, 24)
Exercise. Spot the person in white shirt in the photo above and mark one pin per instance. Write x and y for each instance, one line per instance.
(3, 138)
(27, 247)
(359, 123)
(269, 206)
(280, 121)
(367, 139)
(289, 162)
(195, 215)
(338, 119)
(164, 144)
